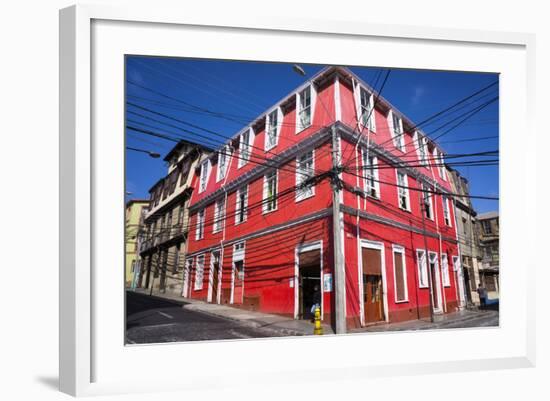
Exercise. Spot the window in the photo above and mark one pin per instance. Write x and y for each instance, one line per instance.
(403, 191)
(446, 211)
(199, 273)
(438, 159)
(486, 224)
(205, 171)
(176, 259)
(366, 112)
(397, 131)
(427, 202)
(270, 192)
(242, 204)
(200, 225)
(370, 168)
(445, 270)
(181, 214)
(400, 274)
(223, 155)
(422, 146)
(272, 129)
(304, 171)
(219, 215)
(245, 143)
(422, 268)
(304, 109)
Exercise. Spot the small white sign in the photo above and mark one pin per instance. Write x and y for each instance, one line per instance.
(327, 282)
(291, 282)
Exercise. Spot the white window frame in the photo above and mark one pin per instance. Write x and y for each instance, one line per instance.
(404, 191)
(302, 194)
(367, 175)
(204, 175)
(430, 197)
(446, 279)
(199, 279)
(446, 211)
(401, 250)
(423, 279)
(421, 147)
(312, 98)
(368, 109)
(264, 197)
(398, 138)
(224, 154)
(440, 161)
(245, 206)
(268, 145)
(199, 231)
(219, 215)
(243, 160)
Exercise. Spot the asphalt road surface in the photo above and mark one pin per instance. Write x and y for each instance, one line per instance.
(154, 320)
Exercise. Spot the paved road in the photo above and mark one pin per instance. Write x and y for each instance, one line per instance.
(154, 320)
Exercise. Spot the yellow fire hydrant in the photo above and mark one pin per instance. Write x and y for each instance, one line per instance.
(318, 330)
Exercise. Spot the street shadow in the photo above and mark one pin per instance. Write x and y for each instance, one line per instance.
(51, 382)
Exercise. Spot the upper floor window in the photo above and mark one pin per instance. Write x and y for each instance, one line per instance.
(272, 129)
(245, 145)
(270, 192)
(446, 211)
(421, 143)
(219, 215)
(304, 171)
(241, 204)
(370, 171)
(396, 125)
(427, 202)
(223, 157)
(403, 191)
(181, 214)
(486, 224)
(440, 162)
(199, 233)
(366, 109)
(304, 109)
(205, 172)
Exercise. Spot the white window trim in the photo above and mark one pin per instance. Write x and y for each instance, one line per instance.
(279, 112)
(421, 144)
(219, 215)
(446, 279)
(199, 224)
(204, 165)
(422, 269)
(424, 187)
(408, 209)
(358, 107)
(446, 208)
(401, 144)
(241, 161)
(313, 98)
(400, 249)
(196, 286)
(365, 179)
(299, 197)
(264, 195)
(237, 210)
(227, 154)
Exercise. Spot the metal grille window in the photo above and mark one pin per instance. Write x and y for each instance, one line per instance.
(270, 192)
(370, 170)
(242, 204)
(244, 147)
(397, 132)
(427, 199)
(446, 211)
(304, 171)
(445, 270)
(422, 268)
(304, 109)
(219, 215)
(199, 273)
(200, 225)
(272, 127)
(367, 110)
(403, 191)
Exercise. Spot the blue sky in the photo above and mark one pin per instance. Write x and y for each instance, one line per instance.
(240, 91)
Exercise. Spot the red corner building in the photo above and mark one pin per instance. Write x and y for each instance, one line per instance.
(261, 223)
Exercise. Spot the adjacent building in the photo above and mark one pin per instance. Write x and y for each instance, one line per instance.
(467, 235)
(488, 232)
(261, 233)
(166, 222)
(135, 212)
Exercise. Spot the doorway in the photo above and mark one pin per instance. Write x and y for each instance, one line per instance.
(373, 299)
(215, 271)
(309, 290)
(459, 277)
(436, 284)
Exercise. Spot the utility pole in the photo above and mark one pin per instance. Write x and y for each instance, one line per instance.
(426, 257)
(339, 274)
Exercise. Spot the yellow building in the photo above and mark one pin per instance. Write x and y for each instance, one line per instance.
(135, 212)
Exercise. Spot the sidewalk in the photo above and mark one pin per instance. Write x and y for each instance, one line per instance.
(279, 325)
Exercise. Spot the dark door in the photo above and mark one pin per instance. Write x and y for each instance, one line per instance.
(238, 282)
(372, 285)
(309, 290)
(216, 277)
(435, 284)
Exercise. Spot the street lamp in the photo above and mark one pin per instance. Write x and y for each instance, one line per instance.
(154, 155)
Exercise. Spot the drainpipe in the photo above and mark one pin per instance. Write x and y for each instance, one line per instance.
(440, 249)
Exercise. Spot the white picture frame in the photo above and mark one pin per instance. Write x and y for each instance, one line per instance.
(93, 358)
